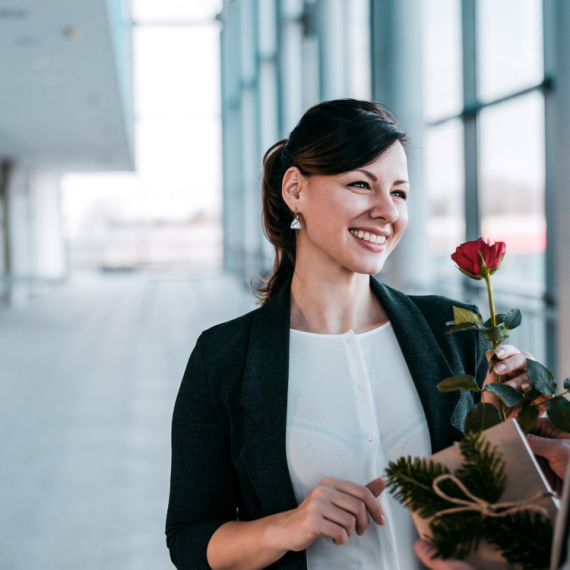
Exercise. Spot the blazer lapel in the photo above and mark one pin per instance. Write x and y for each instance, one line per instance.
(265, 383)
(426, 362)
(264, 397)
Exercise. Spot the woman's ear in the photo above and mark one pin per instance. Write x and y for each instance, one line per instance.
(292, 187)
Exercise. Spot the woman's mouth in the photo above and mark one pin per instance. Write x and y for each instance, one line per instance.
(369, 240)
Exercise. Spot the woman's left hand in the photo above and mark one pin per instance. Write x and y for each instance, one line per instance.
(512, 370)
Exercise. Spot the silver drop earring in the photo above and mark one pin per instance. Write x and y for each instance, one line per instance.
(296, 224)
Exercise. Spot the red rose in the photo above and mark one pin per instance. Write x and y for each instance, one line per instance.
(479, 258)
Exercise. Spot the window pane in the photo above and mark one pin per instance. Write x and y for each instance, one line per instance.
(151, 10)
(512, 189)
(444, 174)
(442, 58)
(509, 45)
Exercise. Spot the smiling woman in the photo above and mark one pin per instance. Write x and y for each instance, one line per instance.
(288, 416)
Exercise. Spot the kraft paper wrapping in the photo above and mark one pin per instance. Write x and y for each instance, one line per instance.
(524, 479)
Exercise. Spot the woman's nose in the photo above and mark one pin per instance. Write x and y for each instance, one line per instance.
(385, 208)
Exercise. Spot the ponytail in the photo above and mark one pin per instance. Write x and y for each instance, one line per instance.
(276, 223)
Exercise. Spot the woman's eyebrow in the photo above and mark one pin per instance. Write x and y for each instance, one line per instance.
(368, 173)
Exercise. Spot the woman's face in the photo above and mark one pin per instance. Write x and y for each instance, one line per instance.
(342, 213)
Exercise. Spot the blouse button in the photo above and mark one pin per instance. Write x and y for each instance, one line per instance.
(389, 548)
(370, 437)
(361, 387)
(350, 341)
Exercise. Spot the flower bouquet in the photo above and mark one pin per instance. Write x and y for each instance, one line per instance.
(485, 499)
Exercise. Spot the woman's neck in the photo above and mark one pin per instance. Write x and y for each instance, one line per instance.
(333, 304)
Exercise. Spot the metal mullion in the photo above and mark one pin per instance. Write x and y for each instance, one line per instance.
(550, 157)
(470, 119)
(475, 106)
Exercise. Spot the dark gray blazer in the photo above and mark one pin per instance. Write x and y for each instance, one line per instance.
(228, 426)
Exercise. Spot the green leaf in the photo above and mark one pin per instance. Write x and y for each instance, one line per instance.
(567, 384)
(513, 319)
(558, 410)
(481, 417)
(465, 316)
(462, 327)
(527, 416)
(494, 334)
(508, 395)
(459, 383)
(499, 318)
(532, 394)
(540, 377)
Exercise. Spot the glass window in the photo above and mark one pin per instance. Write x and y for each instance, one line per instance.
(509, 45)
(359, 49)
(512, 188)
(172, 10)
(445, 187)
(442, 58)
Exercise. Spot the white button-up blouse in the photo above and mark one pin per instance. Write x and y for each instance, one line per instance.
(352, 407)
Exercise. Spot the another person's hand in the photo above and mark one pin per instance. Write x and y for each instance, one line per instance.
(552, 444)
(512, 369)
(335, 508)
(425, 550)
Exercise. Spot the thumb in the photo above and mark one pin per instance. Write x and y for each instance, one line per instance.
(377, 485)
(425, 550)
(488, 354)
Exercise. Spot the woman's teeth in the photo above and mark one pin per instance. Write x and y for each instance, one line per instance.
(366, 236)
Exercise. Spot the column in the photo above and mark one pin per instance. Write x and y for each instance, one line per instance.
(397, 82)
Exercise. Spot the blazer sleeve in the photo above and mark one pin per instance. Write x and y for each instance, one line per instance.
(203, 486)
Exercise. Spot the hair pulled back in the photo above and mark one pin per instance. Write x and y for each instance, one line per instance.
(332, 137)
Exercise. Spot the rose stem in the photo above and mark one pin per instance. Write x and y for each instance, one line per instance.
(487, 278)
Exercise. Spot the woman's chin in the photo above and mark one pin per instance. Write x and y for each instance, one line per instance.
(369, 268)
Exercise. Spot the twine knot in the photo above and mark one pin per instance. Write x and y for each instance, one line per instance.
(485, 508)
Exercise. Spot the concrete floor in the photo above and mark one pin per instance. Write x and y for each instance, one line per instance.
(89, 372)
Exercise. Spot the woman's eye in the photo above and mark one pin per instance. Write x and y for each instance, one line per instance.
(401, 193)
(360, 184)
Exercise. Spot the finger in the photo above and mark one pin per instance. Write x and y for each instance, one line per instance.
(520, 382)
(425, 550)
(376, 486)
(364, 494)
(354, 506)
(542, 446)
(506, 350)
(511, 363)
(335, 531)
(341, 517)
(545, 428)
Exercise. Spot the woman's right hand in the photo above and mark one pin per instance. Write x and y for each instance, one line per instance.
(335, 508)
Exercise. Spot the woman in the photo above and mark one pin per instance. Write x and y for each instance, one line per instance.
(287, 416)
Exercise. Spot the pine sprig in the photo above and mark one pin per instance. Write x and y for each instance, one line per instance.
(482, 472)
(457, 535)
(523, 537)
(410, 481)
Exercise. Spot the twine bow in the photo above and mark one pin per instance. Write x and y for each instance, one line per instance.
(486, 509)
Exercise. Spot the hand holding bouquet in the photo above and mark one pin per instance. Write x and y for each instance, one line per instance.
(500, 398)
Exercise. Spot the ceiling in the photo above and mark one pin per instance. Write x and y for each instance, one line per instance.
(65, 84)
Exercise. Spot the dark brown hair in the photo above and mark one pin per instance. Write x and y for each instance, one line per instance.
(331, 137)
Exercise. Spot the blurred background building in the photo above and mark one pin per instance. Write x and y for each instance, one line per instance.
(131, 141)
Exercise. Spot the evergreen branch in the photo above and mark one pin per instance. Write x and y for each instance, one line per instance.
(524, 538)
(410, 481)
(482, 472)
(455, 536)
